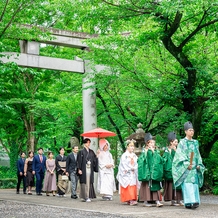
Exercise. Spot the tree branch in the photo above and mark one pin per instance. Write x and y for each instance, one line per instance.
(11, 20)
(163, 126)
(152, 117)
(3, 12)
(135, 4)
(198, 28)
(131, 71)
(130, 9)
(4, 146)
(19, 9)
(175, 25)
(118, 105)
(130, 111)
(109, 3)
(110, 118)
(206, 148)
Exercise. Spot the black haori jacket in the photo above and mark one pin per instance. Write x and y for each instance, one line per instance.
(83, 157)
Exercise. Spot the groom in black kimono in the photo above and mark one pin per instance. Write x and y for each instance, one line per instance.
(87, 165)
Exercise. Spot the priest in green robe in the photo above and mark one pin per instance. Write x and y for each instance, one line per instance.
(170, 193)
(188, 168)
(150, 172)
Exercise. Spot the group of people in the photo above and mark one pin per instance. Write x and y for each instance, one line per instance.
(179, 172)
(34, 167)
(78, 165)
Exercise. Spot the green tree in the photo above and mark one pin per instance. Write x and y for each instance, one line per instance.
(169, 47)
(32, 100)
(38, 106)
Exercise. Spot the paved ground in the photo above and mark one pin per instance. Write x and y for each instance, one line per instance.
(16, 206)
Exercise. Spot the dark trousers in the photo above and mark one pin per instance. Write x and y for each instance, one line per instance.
(39, 181)
(19, 179)
(74, 181)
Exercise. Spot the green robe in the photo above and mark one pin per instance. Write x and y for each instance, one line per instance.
(155, 163)
(181, 162)
(150, 169)
(167, 164)
(143, 168)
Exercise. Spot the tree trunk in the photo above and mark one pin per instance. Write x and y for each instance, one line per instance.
(30, 128)
(192, 104)
(31, 138)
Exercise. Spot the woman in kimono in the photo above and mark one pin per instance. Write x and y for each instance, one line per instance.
(106, 182)
(128, 175)
(188, 168)
(28, 172)
(170, 193)
(50, 176)
(150, 188)
(87, 165)
(60, 163)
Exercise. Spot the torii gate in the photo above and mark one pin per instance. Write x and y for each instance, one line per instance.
(29, 57)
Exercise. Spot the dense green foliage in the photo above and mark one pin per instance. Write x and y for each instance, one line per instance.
(162, 71)
(163, 58)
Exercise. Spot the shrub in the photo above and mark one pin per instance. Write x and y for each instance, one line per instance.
(6, 172)
(8, 183)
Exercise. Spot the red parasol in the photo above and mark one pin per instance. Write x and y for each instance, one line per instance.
(98, 133)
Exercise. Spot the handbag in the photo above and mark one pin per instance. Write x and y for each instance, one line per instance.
(64, 177)
(62, 164)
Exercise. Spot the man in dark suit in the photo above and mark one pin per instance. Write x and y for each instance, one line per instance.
(20, 173)
(71, 169)
(39, 166)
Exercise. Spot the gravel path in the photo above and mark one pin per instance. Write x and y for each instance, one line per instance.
(20, 206)
(20, 210)
(209, 199)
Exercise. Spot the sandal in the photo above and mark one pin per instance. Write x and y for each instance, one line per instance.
(175, 204)
(132, 203)
(159, 205)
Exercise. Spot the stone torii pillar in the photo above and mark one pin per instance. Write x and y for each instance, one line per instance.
(89, 104)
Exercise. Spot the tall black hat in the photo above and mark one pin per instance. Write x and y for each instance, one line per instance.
(188, 125)
(148, 137)
(171, 136)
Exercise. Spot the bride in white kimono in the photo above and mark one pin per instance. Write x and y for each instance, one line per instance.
(106, 183)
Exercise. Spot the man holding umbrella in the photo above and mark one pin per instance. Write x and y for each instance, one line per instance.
(87, 165)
